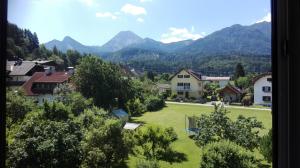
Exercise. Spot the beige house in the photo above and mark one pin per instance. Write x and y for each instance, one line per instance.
(189, 84)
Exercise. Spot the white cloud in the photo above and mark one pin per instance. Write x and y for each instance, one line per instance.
(106, 15)
(140, 19)
(145, 1)
(266, 18)
(179, 34)
(88, 2)
(133, 10)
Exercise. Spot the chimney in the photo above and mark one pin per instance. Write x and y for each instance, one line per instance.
(70, 70)
(47, 71)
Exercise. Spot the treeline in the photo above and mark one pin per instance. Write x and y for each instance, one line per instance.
(23, 44)
(209, 65)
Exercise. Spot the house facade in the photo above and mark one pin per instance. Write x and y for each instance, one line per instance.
(263, 89)
(187, 83)
(230, 94)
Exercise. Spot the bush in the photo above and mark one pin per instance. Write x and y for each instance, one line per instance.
(147, 164)
(135, 107)
(227, 154)
(265, 147)
(218, 126)
(154, 103)
(247, 100)
(173, 96)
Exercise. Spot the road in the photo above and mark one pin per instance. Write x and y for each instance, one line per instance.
(237, 107)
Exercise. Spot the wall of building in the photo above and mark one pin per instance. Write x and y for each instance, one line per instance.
(196, 87)
(259, 93)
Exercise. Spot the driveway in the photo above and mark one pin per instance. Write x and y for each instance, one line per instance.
(237, 107)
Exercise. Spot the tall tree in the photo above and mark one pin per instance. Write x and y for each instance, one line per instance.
(239, 71)
(103, 82)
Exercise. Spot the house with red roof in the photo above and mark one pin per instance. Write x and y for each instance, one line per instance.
(20, 71)
(187, 83)
(41, 85)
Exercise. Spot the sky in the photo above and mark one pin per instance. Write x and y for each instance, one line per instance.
(94, 22)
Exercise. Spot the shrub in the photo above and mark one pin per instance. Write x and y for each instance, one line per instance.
(154, 103)
(135, 107)
(217, 126)
(247, 100)
(173, 96)
(147, 164)
(154, 142)
(227, 154)
(265, 147)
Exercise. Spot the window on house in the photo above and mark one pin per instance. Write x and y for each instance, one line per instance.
(269, 79)
(179, 84)
(179, 76)
(186, 76)
(266, 98)
(266, 89)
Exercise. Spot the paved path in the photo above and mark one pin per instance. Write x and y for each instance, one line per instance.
(238, 107)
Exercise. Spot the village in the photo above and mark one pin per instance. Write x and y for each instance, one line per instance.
(39, 78)
(171, 105)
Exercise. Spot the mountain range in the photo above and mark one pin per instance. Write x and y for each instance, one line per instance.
(216, 53)
(254, 39)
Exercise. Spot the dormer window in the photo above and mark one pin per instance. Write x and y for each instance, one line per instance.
(186, 76)
(179, 76)
(269, 79)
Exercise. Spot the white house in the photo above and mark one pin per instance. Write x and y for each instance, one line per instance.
(187, 83)
(263, 89)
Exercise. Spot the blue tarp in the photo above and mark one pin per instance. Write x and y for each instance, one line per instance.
(120, 113)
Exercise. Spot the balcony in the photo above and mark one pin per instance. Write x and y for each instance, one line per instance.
(183, 88)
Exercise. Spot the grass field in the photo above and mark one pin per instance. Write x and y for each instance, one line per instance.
(174, 116)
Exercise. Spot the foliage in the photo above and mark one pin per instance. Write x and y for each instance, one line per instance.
(239, 71)
(17, 106)
(56, 111)
(135, 107)
(103, 146)
(265, 146)
(227, 154)
(45, 143)
(147, 164)
(20, 42)
(210, 89)
(153, 142)
(77, 102)
(150, 75)
(103, 82)
(91, 118)
(217, 126)
(154, 103)
(247, 100)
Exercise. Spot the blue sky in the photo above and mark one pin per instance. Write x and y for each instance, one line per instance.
(94, 22)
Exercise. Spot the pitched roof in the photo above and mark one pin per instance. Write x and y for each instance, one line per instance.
(189, 71)
(41, 77)
(232, 88)
(54, 77)
(260, 76)
(215, 78)
(21, 68)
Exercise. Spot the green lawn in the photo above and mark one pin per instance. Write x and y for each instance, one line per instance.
(174, 116)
